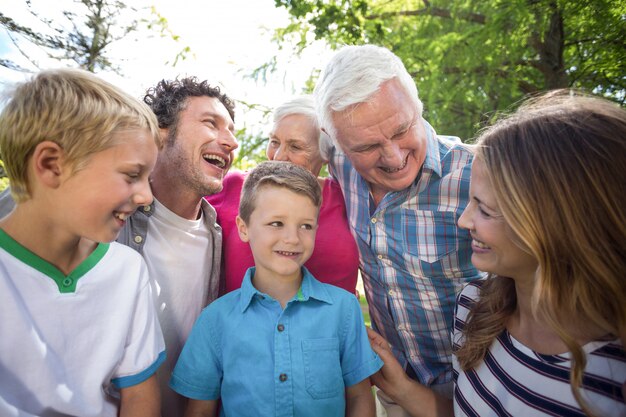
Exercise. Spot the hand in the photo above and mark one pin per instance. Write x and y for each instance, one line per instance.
(416, 399)
(391, 378)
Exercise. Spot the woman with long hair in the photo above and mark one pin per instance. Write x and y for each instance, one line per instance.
(544, 333)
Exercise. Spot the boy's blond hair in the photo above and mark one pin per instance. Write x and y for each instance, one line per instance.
(278, 174)
(72, 108)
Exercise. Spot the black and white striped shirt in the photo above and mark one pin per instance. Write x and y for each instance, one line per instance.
(513, 380)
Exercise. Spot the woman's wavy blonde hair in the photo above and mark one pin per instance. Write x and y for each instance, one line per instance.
(558, 170)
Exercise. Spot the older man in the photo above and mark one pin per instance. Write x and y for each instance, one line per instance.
(178, 235)
(405, 188)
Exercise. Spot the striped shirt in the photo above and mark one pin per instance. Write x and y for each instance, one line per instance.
(513, 380)
(413, 258)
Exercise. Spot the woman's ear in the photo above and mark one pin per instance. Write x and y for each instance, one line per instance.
(48, 163)
(242, 229)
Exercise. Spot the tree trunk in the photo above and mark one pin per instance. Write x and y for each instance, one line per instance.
(550, 50)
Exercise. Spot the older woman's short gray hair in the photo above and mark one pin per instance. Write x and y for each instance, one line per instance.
(302, 105)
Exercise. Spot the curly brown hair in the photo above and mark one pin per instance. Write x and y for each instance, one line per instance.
(169, 98)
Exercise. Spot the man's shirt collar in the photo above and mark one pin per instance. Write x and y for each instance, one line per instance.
(433, 160)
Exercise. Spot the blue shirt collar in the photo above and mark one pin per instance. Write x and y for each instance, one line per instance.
(310, 288)
(433, 160)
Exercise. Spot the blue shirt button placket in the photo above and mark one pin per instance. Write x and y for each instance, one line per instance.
(282, 359)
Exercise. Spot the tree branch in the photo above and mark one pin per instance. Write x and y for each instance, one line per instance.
(21, 51)
(12, 66)
(12, 26)
(431, 11)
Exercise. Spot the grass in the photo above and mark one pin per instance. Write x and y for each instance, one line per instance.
(363, 301)
(365, 310)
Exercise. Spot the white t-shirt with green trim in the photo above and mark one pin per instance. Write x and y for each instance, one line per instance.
(68, 343)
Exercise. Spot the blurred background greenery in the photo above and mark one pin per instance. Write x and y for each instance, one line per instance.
(470, 59)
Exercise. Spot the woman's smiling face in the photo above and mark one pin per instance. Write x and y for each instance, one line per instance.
(493, 241)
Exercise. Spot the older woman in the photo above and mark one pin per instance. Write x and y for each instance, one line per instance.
(544, 333)
(294, 138)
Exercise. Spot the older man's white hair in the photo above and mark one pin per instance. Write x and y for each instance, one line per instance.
(352, 76)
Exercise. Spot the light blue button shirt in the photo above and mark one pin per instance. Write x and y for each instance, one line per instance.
(262, 360)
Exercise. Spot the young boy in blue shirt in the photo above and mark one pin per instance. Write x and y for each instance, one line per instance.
(284, 344)
(79, 334)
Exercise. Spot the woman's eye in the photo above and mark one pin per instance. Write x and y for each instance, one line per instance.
(276, 224)
(307, 226)
(484, 213)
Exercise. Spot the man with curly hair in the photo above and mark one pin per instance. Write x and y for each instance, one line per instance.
(177, 234)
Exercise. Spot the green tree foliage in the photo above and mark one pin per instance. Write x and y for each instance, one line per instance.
(251, 149)
(472, 58)
(252, 140)
(4, 181)
(85, 34)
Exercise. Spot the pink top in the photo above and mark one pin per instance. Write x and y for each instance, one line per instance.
(335, 259)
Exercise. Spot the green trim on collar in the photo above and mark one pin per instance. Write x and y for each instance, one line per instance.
(299, 295)
(66, 284)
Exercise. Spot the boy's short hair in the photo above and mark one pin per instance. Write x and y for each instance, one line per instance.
(72, 108)
(278, 174)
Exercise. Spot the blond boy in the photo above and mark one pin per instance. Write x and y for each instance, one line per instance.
(284, 344)
(79, 333)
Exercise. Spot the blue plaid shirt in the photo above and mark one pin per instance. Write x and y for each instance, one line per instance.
(414, 258)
